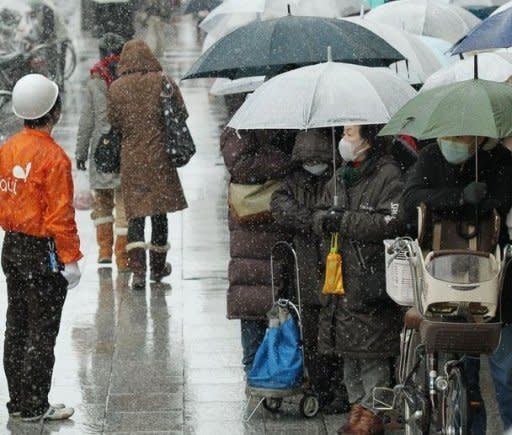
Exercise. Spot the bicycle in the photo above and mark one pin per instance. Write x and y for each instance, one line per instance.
(454, 296)
(56, 60)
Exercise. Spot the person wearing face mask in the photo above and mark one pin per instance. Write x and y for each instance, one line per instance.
(363, 325)
(41, 248)
(293, 206)
(444, 180)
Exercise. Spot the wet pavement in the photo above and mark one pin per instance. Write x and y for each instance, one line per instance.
(163, 361)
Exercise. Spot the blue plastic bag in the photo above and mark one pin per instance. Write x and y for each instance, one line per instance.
(278, 362)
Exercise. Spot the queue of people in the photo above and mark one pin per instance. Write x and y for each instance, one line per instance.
(352, 341)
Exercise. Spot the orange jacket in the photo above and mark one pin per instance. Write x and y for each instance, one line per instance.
(36, 191)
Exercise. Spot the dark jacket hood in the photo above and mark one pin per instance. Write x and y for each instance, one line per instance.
(312, 146)
(137, 57)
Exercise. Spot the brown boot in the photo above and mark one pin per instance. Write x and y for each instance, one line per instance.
(158, 266)
(137, 264)
(121, 254)
(355, 414)
(105, 238)
(368, 424)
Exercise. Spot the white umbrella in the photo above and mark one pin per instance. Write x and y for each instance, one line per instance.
(477, 3)
(491, 66)
(426, 17)
(223, 86)
(506, 6)
(440, 48)
(235, 13)
(110, 1)
(324, 95)
(421, 60)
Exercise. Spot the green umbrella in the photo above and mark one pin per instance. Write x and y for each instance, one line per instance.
(472, 108)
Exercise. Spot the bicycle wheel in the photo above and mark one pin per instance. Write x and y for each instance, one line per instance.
(417, 379)
(456, 405)
(5, 92)
(69, 56)
(5, 96)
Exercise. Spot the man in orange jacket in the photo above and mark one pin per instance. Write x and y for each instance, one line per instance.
(41, 247)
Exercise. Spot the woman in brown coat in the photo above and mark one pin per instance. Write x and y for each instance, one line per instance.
(253, 158)
(149, 182)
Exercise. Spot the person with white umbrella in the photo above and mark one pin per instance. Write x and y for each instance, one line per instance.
(363, 325)
(293, 207)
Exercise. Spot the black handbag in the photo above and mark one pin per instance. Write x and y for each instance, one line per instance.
(107, 155)
(179, 144)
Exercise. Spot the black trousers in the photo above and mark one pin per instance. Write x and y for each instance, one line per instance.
(36, 297)
(159, 230)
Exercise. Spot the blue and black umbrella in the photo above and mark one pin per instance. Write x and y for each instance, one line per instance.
(267, 48)
(492, 33)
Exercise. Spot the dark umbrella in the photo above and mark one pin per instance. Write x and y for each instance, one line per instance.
(494, 32)
(267, 48)
(194, 6)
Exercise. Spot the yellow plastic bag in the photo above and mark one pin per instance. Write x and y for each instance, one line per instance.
(333, 271)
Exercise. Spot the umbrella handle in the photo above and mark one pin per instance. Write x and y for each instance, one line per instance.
(333, 136)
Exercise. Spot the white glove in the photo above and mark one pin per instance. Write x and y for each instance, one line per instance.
(72, 274)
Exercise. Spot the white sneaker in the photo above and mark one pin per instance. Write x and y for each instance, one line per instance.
(17, 414)
(52, 414)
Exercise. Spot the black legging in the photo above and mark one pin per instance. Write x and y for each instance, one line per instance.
(159, 230)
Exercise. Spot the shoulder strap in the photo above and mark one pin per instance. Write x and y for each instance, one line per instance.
(167, 88)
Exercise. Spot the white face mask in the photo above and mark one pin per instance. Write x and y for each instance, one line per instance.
(348, 150)
(316, 169)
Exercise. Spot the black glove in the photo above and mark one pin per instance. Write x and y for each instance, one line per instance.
(80, 165)
(474, 193)
(332, 220)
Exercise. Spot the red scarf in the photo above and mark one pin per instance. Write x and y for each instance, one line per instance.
(104, 68)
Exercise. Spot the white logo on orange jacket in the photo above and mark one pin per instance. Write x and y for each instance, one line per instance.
(8, 185)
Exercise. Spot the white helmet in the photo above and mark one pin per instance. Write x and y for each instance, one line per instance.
(33, 96)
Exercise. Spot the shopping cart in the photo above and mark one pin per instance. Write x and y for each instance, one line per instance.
(276, 376)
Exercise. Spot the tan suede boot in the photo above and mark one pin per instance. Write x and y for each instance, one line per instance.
(105, 238)
(121, 253)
